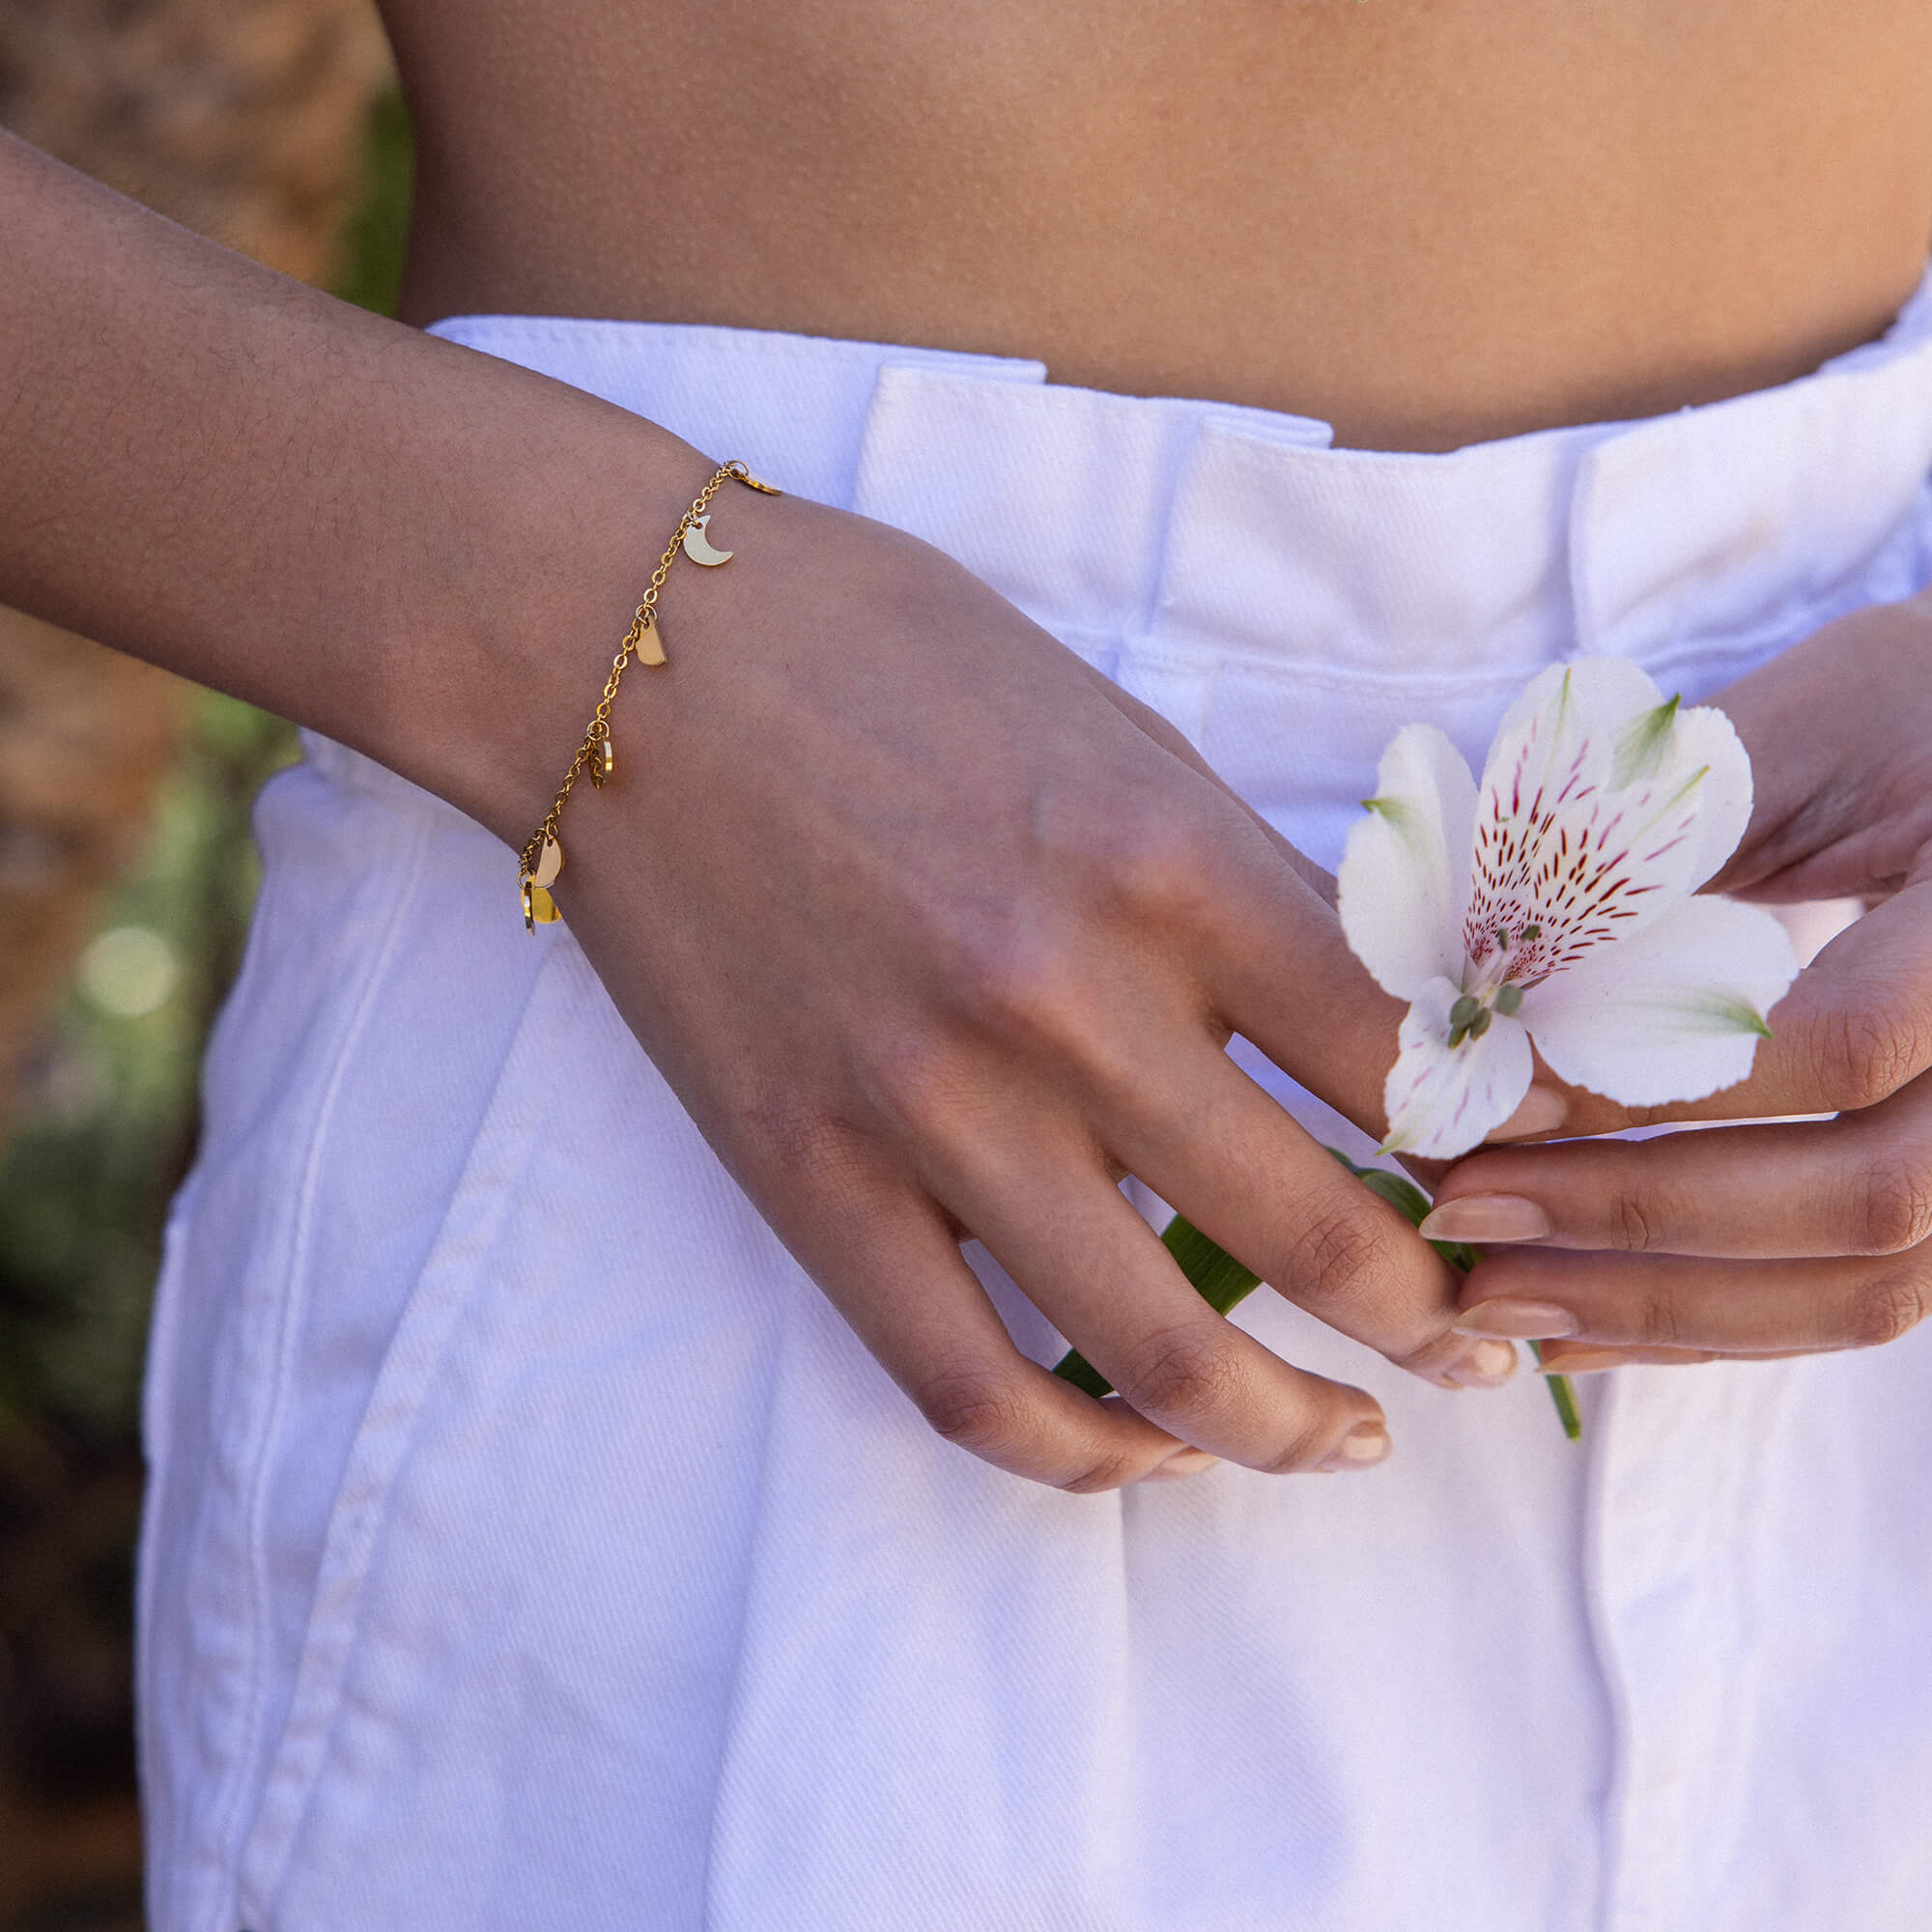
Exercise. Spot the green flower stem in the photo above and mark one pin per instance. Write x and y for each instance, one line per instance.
(1218, 1278)
(1565, 1398)
(1222, 1282)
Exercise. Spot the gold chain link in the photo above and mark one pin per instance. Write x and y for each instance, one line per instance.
(599, 729)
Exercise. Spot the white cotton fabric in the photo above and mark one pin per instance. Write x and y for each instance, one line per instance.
(529, 1544)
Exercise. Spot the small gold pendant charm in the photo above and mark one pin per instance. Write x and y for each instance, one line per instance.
(697, 545)
(751, 482)
(603, 763)
(539, 908)
(650, 641)
(550, 862)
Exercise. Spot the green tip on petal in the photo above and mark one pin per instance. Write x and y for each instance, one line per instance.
(1721, 1013)
(1643, 744)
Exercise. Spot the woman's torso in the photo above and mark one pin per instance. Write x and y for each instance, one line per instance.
(1428, 221)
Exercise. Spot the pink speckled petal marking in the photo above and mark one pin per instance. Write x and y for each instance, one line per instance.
(1674, 1014)
(1567, 857)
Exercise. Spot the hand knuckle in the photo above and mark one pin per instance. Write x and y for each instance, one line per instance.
(1342, 1254)
(1885, 1308)
(1019, 975)
(918, 1084)
(1302, 1448)
(1106, 1471)
(797, 1142)
(1864, 1050)
(1182, 1371)
(1630, 1224)
(1893, 1206)
(982, 1409)
(1152, 861)
(1658, 1322)
(1036, 994)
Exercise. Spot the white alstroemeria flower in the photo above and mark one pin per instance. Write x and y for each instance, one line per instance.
(1555, 901)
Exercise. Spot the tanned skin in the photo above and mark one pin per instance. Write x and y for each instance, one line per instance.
(1427, 221)
(934, 931)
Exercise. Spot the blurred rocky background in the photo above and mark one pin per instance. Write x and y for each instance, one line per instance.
(126, 881)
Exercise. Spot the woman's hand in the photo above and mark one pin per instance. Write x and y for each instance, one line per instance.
(1775, 1239)
(933, 931)
(937, 933)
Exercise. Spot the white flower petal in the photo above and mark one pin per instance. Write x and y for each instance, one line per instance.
(1597, 808)
(1443, 1101)
(1672, 1013)
(1567, 708)
(1705, 739)
(1404, 877)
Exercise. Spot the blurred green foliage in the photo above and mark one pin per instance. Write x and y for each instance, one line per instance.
(373, 243)
(107, 1121)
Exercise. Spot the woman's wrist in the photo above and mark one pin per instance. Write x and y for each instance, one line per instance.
(528, 595)
(426, 552)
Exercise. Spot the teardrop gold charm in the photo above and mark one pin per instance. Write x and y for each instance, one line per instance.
(549, 863)
(543, 908)
(650, 641)
(603, 762)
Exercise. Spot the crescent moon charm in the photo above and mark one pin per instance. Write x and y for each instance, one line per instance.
(697, 545)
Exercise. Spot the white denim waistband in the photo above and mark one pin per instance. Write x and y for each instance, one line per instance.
(1244, 532)
(1289, 605)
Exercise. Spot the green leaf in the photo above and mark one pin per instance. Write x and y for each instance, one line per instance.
(1218, 1278)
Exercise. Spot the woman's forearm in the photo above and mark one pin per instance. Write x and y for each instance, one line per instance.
(420, 551)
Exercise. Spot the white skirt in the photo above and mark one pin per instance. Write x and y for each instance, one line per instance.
(529, 1544)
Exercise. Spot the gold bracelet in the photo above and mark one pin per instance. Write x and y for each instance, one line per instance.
(541, 858)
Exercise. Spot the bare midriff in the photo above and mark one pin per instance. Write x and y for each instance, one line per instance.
(1427, 221)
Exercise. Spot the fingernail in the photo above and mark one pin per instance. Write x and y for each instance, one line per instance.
(1362, 1448)
(1520, 1320)
(1488, 1365)
(1485, 1218)
(1182, 1463)
(1542, 1111)
(1584, 1360)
